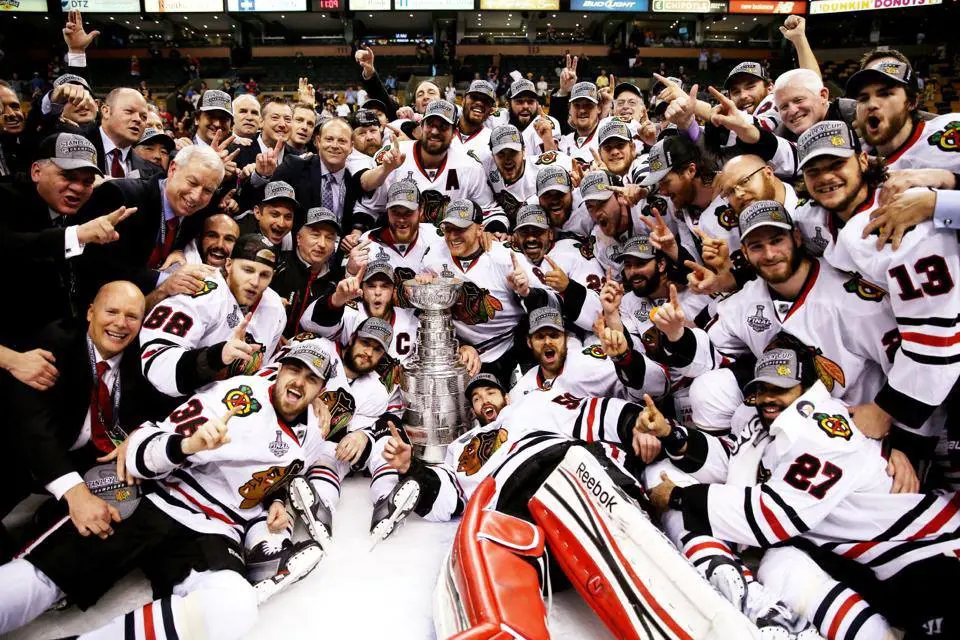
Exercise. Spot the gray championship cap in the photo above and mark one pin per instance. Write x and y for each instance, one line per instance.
(584, 91)
(638, 247)
(279, 190)
(379, 268)
(764, 213)
(72, 78)
(667, 154)
(376, 329)
(827, 138)
(315, 358)
(322, 215)
(441, 109)
(215, 100)
(461, 213)
(888, 71)
(595, 186)
(506, 136)
(545, 318)
(553, 177)
(612, 129)
(152, 136)
(531, 215)
(777, 367)
(483, 88)
(522, 86)
(748, 68)
(404, 193)
(365, 118)
(482, 380)
(69, 151)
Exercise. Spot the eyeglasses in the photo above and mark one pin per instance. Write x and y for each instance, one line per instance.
(741, 184)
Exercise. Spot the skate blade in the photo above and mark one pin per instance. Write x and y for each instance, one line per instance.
(266, 589)
(408, 500)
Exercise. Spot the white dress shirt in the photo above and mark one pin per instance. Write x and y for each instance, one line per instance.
(108, 148)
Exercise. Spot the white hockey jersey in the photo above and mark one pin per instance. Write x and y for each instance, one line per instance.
(843, 318)
(934, 144)
(183, 323)
(512, 196)
(580, 147)
(722, 222)
(487, 312)
(478, 143)
(224, 490)
(532, 142)
(826, 482)
(406, 259)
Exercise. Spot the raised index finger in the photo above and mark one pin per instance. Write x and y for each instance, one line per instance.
(226, 417)
(277, 148)
(513, 258)
(673, 296)
(393, 430)
(120, 215)
(552, 263)
(649, 402)
(361, 271)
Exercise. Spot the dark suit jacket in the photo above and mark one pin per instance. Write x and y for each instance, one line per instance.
(45, 424)
(305, 175)
(247, 195)
(92, 133)
(38, 277)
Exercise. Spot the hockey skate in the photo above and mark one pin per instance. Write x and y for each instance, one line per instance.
(775, 620)
(272, 568)
(391, 509)
(314, 513)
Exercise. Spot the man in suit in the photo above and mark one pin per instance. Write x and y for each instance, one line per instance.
(99, 397)
(147, 238)
(39, 231)
(214, 116)
(277, 122)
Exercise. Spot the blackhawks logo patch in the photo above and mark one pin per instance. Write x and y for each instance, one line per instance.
(863, 289)
(726, 217)
(835, 426)
(479, 450)
(547, 157)
(303, 336)
(948, 139)
(586, 247)
(475, 305)
(341, 405)
(208, 286)
(242, 399)
(433, 202)
(389, 371)
(263, 483)
(596, 351)
(401, 275)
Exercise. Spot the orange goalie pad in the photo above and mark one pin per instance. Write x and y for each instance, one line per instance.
(499, 590)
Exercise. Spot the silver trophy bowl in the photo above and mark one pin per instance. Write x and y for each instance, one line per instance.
(434, 381)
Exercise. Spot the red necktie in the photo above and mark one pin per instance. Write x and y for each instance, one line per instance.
(161, 251)
(116, 169)
(101, 411)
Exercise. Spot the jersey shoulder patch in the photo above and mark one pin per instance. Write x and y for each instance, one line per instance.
(208, 286)
(241, 399)
(547, 157)
(863, 289)
(596, 351)
(948, 138)
(726, 218)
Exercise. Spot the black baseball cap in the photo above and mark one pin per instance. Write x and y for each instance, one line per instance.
(254, 246)
(483, 380)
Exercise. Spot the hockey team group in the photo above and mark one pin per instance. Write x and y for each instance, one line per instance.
(712, 333)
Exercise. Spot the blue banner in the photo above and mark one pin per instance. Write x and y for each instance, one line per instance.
(609, 5)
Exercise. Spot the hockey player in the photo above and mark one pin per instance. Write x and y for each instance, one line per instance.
(844, 320)
(513, 175)
(470, 133)
(585, 117)
(538, 130)
(229, 327)
(273, 216)
(920, 276)
(495, 282)
(214, 476)
(825, 485)
(561, 202)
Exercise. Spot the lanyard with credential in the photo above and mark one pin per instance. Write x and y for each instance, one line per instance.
(116, 434)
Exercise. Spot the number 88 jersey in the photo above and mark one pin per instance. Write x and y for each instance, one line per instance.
(181, 325)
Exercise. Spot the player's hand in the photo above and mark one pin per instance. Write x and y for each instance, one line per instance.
(322, 411)
(34, 368)
(75, 35)
(634, 193)
(277, 517)
(598, 164)
(228, 203)
(606, 97)
(568, 77)
(706, 282)
(351, 447)
(683, 109)
(90, 514)
(612, 340)
(517, 279)
(240, 141)
(425, 277)
(350, 288)
(576, 174)
(648, 133)
(894, 219)
(188, 279)
(904, 476)
(470, 358)
(237, 349)
(349, 241)
(120, 455)
(651, 420)
(660, 494)
(871, 420)
(646, 446)
(359, 256)
(715, 251)
(406, 113)
(397, 453)
(611, 294)
(175, 258)
(725, 114)
(365, 58)
(899, 181)
(266, 163)
(544, 128)
(669, 317)
(670, 92)
(183, 143)
(305, 92)
(392, 159)
(222, 147)
(661, 236)
(794, 29)
(102, 230)
(69, 93)
(211, 435)
(557, 279)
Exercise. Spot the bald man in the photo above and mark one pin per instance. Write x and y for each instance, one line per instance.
(99, 395)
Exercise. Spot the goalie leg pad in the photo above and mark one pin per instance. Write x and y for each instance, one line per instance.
(490, 586)
(633, 577)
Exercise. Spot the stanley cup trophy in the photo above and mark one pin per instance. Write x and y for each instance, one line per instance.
(434, 380)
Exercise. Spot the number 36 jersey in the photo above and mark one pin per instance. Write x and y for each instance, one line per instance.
(179, 326)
